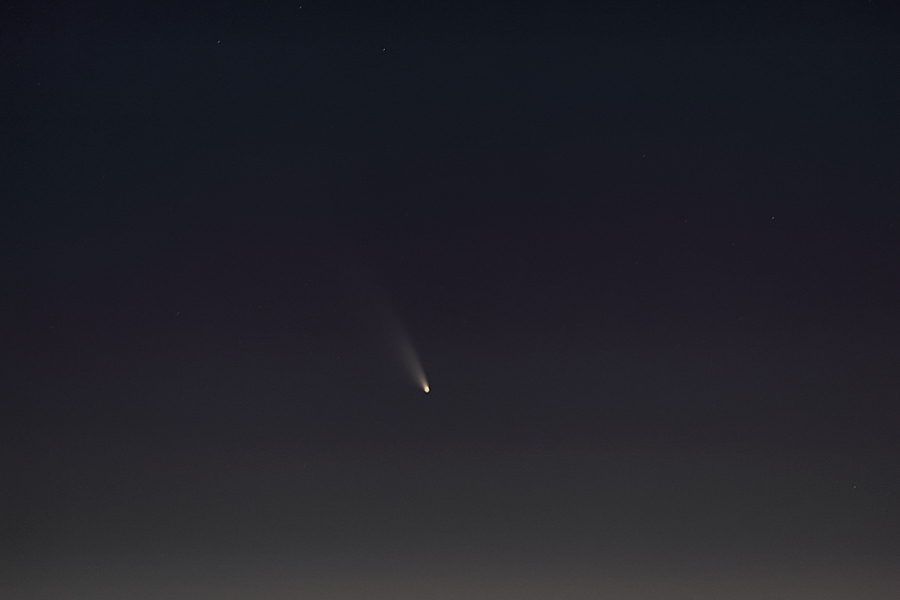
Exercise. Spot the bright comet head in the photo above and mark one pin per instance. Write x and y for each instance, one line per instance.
(426, 388)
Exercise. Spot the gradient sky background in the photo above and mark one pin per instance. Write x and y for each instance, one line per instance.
(648, 254)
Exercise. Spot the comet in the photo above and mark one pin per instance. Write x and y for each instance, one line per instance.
(401, 344)
(410, 360)
(374, 303)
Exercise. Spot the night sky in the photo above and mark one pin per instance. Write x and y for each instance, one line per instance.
(647, 254)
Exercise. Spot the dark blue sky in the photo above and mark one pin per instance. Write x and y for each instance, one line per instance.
(580, 173)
